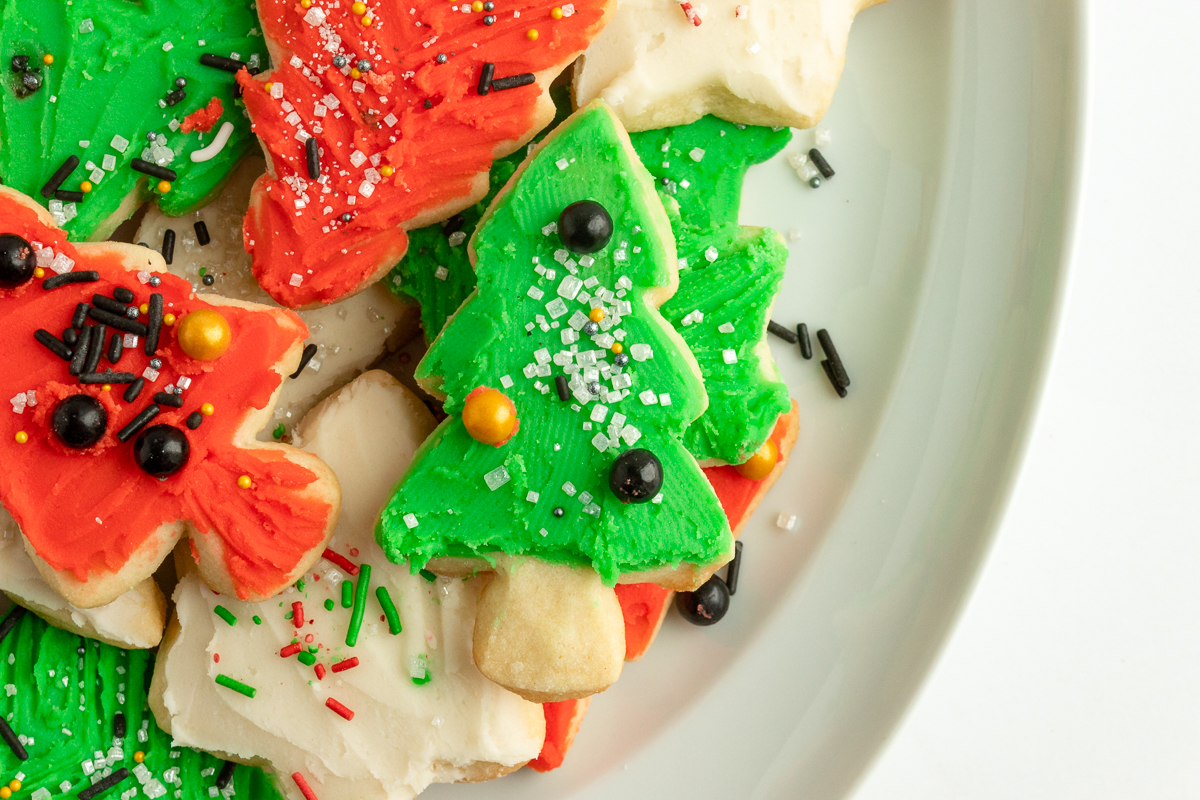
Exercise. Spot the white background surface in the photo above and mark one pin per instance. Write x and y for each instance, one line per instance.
(1074, 671)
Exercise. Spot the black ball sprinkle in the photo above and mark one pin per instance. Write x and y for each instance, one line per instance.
(621, 359)
(559, 511)
(591, 328)
(208, 280)
(79, 421)
(489, 20)
(17, 260)
(705, 606)
(181, 82)
(161, 450)
(636, 476)
(441, 58)
(339, 61)
(585, 227)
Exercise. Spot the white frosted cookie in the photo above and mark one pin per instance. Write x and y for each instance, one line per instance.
(422, 712)
(756, 62)
(134, 620)
(351, 335)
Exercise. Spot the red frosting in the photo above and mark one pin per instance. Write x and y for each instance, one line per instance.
(88, 512)
(437, 154)
(203, 119)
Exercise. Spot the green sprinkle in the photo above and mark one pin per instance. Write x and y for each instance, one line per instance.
(306, 658)
(424, 679)
(225, 614)
(347, 593)
(329, 604)
(279, 431)
(389, 610)
(202, 271)
(300, 585)
(427, 575)
(237, 686)
(257, 619)
(288, 615)
(360, 604)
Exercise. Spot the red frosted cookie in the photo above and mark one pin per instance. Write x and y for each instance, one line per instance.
(134, 410)
(384, 117)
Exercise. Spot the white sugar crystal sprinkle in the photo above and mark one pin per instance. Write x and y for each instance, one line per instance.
(441, 273)
(648, 397)
(410, 521)
(726, 328)
(562, 163)
(296, 279)
(697, 154)
(786, 522)
(119, 143)
(569, 488)
(729, 356)
(532, 496)
(711, 255)
(535, 293)
(496, 478)
(641, 352)
(506, 381)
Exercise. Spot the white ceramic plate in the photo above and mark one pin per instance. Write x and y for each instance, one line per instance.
(935, 258)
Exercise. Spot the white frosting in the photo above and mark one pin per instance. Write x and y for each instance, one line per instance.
(403, 736)
(351, 334)
(133, 620)
(760, 62)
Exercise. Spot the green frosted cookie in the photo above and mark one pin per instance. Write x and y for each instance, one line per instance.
(76, 712)
(731, 277)
(545, 320)
(112, 81)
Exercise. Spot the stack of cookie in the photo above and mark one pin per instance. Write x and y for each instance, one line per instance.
(365, 467)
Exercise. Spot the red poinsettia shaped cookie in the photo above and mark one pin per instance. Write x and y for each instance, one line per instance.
(385, 116)
(134, 409)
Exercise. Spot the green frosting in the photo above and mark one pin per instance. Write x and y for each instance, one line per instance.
(516, 334)
(728, 278)
(702, 198)
(62, 694)
(114, 60)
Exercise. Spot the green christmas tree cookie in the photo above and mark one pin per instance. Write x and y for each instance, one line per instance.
(731, 277)
(78, 726)
(91, 79)
(545, 492)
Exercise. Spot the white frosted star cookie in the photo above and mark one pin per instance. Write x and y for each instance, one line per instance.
(377, 720)
(660, 63)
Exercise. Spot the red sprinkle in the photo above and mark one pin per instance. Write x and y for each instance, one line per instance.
(354, 552)
(339, 709)
(320, 670)
(342, 666)
(691, 14)
(217, 658)
(290, 650)
(305, 789)
(297, 614)
(308, 639)
(341, 560)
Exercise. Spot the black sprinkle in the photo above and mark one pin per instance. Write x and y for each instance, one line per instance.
(202, 233)
(485, 78)
(110, 305)
(104, 784)
(805, 342)
(313, 152)
(782, 332)
(735, 569)
(560, 384)
(70, 336)
(454, 224)
(19, 63)
(123, 294)
(138, 422)
(194, 419)
(835, 361)
(11, 621)
(116, 347)
(68, 195)
(820, 163)
(154, 170)
(80, 316)
(429, 104)
(841, 390)
(67, 278)
(134, 390)
(60, 175)
(118, 321)
(226, 775)
(119, 727)
(52, 344)
(108, 377)
(10, 738)
(81, 351)
(172, 400)
(310, 350)
(155, 328)
(513, 81)
(168, 246)
(95, 349)
(176, 96)
(221, 62)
